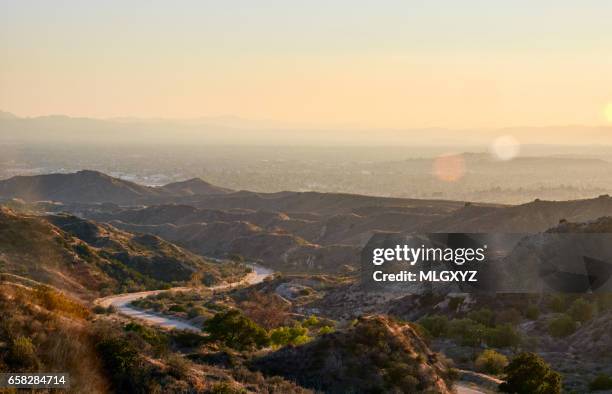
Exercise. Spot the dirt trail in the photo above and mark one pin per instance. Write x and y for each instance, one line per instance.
(121, 302)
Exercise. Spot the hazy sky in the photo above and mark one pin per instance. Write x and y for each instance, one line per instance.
(397, 64)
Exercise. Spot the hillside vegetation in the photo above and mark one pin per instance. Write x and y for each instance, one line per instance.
(378, 354)
(87, 259)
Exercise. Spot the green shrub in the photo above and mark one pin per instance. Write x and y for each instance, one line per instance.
(483, 316)
(117, 353)
(99, 310)
(283, 336)
(189, 339)
(196, 311)
(235, 330)
(491, 362)
(467, 332)
(177, 308)
(581, 310)
(157, 340)
(326, 330)
(436, 325)
(122, 360)
(558, 303)
(561, 326)
(312, 321)
(83, 251)
(527, 373)
(502, 336)
(601, 382)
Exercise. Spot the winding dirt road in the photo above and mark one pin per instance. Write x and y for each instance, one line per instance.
(121, 302)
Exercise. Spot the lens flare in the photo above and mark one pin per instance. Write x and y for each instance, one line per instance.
(449, 168)
(505, 148)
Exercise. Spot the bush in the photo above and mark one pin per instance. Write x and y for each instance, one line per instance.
(118, 354)
(561, 326)
(483, 316)
(601, 382)
(295, 335)
(558, 303)
(502, 336)
(467, 332)
(436, 325)
(189, 339)
(122, 360)
(177, 366)
(177, 308)
(581, 310)
(491, 362)
(235, 330)
(196, 311)
(326, 330)
(99, 310)
(312, 321)
(55, 301)
(22, 353)
(527, 373)
(157, 340)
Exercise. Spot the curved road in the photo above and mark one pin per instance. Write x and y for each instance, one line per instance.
(121, 302)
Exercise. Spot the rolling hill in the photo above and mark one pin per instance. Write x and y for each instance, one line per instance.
(376, 355)
(96, 187)
(88, 259)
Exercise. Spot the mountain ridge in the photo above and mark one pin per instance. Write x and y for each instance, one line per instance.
(96, 187)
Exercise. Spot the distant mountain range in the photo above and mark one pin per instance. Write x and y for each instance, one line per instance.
(232, 130)
(290, 231)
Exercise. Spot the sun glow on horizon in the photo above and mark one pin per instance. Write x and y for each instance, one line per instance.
(371, 64)
(608, 112)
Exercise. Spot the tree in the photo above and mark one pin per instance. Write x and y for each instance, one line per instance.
(491, 361)
(235, 330)
(436, 325)
(527, 373)
(503, 336)
(467, 332)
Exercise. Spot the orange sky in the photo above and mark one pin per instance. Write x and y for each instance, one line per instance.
(375, 64)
